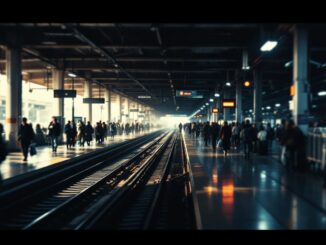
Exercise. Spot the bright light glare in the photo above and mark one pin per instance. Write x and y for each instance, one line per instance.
(322, 93)
(228, 84)
(172, 121)
(211, 100)
(71, 74)
(268, 46)
(268, 107)
(277, 105)
(206, 103)
(217, 95)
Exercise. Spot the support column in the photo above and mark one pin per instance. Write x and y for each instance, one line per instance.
(120, 108)
(88, 94)
(108, 104)
(58, 83)
(227, 111)
(238, 97)
(300, 78)
(127, 110)
(257, 96)
(13, 95)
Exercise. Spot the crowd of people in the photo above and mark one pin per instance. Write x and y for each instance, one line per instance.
(76, 134)
(253, 138)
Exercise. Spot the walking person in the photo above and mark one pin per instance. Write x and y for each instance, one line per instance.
(225, 136)
(25, 136)
(89, 130)
(214, 132)
(69, 135)
(262, 141)
(81, 133)
(105, 131)
(54, 133)
(247, 135)
(206, 133)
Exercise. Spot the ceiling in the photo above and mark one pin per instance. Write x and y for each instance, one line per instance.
(157, 59)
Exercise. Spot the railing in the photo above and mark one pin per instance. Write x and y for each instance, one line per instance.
(316, 147)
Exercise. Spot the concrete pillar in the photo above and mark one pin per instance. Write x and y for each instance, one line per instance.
(119, 102)
(238, 98)
(88, 94)
(108, 104)
(13, 96)
(227, 111)
(58, 83)
(257, 95)
(300, 78)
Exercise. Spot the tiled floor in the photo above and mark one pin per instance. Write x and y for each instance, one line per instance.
(234, 193)
(14, 164)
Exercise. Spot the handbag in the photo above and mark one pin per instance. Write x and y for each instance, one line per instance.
(33, 149)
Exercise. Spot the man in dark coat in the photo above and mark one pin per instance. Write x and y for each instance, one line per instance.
(89, 130)
(69, 134)
(214, 135)
(225, 136)
(25, 136)
(206, 133)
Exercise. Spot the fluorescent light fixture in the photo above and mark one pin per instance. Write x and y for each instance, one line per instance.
(277, 105)
(246, 68)
(211, 100)
(70, 74)
(49, 43)
(268, 46)
(217, 95)
(268, 107)
(250, 110)
(206, 103)
(228, 84)
(322, 93)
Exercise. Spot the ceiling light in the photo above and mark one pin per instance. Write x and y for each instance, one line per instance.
(268, 46)
(206, 104)
(277, 105)
(217, 95)
(322, 93)
(211, 100)
(228, 84)
(268, 107)
(116, 65)
(70, 74)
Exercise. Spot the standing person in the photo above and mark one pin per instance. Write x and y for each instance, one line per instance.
(189, 129)
(225, 136)
(39, 135)
(105, 131)
(236, 135)
(25, 136)
(81, 133)
(89, 130)
(69, 134)
(214, 135)
(262, 141)
(54, 133)
(1, 130)
(247, 136)
(3, 148)
(206, 133)
(270, 137)
(74, 133)
(180, 127)
(113, 130)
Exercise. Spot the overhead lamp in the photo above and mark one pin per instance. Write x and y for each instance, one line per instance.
(217, 95)
(268, 46)
(246, 84)
(116, 65)
(70, 74)
(206, 104)
(250, 110)
(211, 100)
(228, 84)
(322, 93)
(277, 105)
(268, 107)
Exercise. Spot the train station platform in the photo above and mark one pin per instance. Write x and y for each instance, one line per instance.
(256, 194)
(14, 164)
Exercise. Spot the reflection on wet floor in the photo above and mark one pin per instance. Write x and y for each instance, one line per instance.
(234, 193)
(14, 164)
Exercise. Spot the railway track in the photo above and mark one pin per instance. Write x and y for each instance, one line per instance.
(133, 192)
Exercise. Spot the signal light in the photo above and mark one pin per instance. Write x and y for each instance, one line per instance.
(247, 84)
